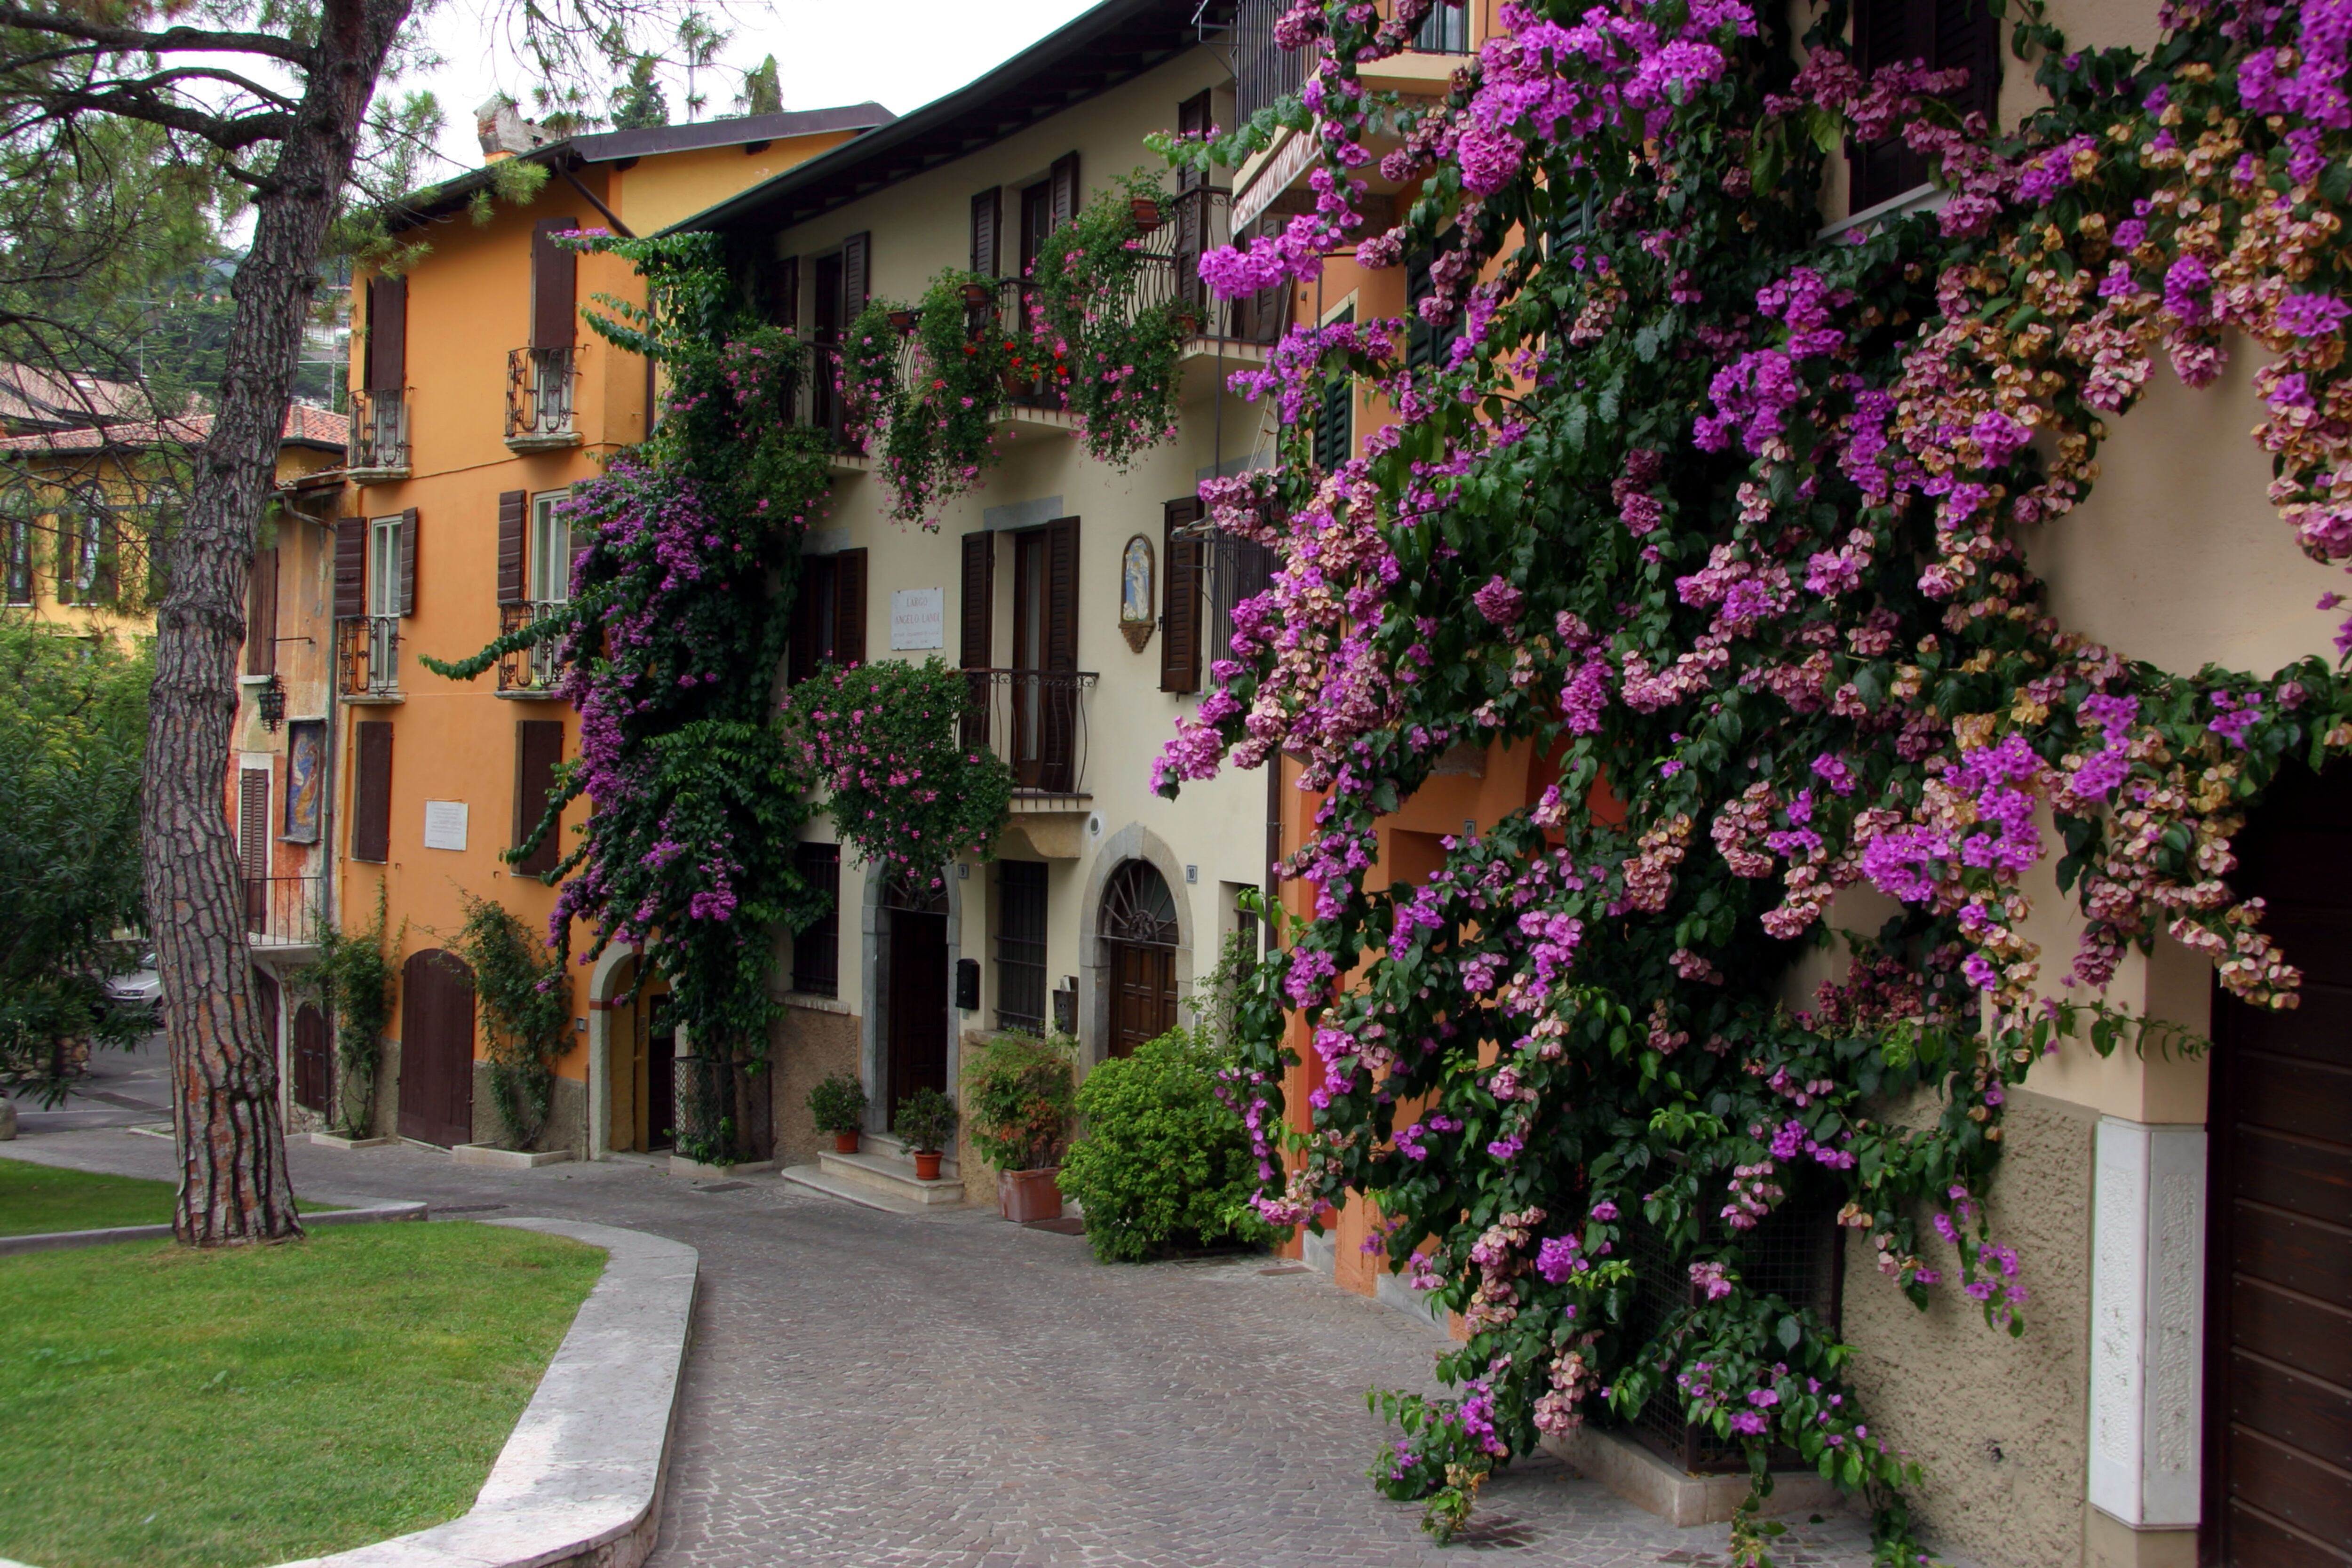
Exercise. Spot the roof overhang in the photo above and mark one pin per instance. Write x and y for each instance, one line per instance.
(1114, 43)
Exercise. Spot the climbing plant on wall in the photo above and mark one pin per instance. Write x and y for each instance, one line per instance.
(679, 611)
(1722, 520)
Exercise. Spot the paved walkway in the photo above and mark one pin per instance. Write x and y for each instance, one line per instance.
(921, 1392)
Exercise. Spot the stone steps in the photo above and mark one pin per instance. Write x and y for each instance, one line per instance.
(889, 1174)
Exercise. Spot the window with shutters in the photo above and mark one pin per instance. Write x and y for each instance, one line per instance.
(253, 845)
(379, 412)
(829, 616)
(1021, 945)
(816, 947)
(1335, 415)
(539, 751)
(551, 548)
(825, 408)
(17, 558)
(261, 614)
(1445, 30)
(1036, 221)
(1179, 618)
(1239, 570)
(1944, 35)
(1425, 344)
(372, 791)
(542, 376)
(377, 636)
(85, 575)
(985, 214)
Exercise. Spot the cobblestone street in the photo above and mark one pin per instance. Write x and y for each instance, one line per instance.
(919, 1391)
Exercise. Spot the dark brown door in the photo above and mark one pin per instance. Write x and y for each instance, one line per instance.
(2279, 1307)
(825, 335)
(436, 1049)
(1143, 995)
(313, 1054)
(1028, 655)
(1036, 221)
(918, 1003)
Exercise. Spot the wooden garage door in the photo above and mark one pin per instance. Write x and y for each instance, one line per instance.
(2279, 1396)
(436, 1049)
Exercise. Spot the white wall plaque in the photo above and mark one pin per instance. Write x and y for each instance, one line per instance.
(445, 825)
(2147, 1321)
(919, 617)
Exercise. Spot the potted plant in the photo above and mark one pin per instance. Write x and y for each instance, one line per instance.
(927, 1119)
(1020, 1087)
(837, 1104)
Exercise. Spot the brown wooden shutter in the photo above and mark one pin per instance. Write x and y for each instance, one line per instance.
(1192, 119)
(984, 213)
(372, 791)
(856, 274)
(979, 641)
(351, 566)
(787, 302)
(1180, 619)
(104, 583)
(849, 607)
(1062, 594)
(408, 561)
(554, 285)
(387, 344)
(538, 750)
(1067, 195)
(514, 505)
(253, 823)
(261, 615)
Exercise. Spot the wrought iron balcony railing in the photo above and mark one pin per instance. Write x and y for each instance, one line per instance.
(379, 432)
(283, 911)
(367, 656)
(1192, 223)
(538, 669)
(1264, 71)
(1036, 720)
(541, 383)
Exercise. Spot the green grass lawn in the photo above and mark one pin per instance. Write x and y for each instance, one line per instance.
(172, 1408)
(36, 1199)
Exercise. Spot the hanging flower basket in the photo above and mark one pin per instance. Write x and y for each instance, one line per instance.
(903, 321)
(978, 294)
(1147, 214)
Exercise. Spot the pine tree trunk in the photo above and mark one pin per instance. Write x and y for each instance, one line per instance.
(225, 1121)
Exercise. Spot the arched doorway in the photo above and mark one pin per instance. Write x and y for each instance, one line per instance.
(2278, 1393)
(436, 1049)
(1139, 938)
(313, 1059)
(915, 968)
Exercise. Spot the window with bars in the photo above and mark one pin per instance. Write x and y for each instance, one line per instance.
(551, 548)
(1239, 568)
(1021, 945)
(816, 950)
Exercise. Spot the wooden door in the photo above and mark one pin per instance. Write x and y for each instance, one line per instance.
(1029, 605)
(2279, 1301)
(825, 334)
(313, 1059)
(918, 1003)
(1143, 995)
(436, 1049)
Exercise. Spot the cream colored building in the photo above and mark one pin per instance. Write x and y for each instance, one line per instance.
(1105, 905)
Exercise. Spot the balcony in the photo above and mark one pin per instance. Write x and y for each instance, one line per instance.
(535, 672)
(367, 659)
(379, 435)
(283, 912)
(1036, 720)
(1194, 222)
(541, 388)
(1265, 73)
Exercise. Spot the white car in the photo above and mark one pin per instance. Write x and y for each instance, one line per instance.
(141, 987)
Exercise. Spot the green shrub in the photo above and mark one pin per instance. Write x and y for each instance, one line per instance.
(837, 1104)
(1163, 1163)
(927, 1121)
(1020, 1090)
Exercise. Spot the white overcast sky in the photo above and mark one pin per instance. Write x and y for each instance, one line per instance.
(901, 53)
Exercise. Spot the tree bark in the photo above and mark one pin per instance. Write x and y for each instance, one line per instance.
(231, 1143)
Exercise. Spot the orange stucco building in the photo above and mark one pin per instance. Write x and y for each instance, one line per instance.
(481, 396)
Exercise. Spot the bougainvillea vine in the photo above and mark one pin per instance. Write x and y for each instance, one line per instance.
(1720, 520)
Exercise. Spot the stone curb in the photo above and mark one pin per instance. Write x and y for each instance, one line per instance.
(579, 1482)
(66, 1240)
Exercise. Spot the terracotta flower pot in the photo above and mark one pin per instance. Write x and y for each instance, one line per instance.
(1147, 214)
(978, 294)
(926, 1166)
(1023, 1196)
(844, 1143)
